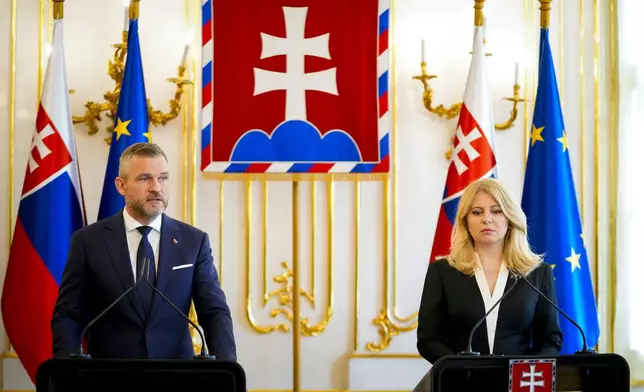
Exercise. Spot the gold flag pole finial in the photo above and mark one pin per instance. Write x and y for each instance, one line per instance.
(134, 9)
(545, 13)
(59, 9)
(479, 19)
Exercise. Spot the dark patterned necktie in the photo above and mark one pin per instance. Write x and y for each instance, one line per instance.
(145, 252)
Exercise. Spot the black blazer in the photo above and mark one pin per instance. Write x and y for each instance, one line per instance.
(98, 270)
(451, 304)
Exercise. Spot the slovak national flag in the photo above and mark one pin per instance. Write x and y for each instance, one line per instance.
(51, 209)
(473, 152)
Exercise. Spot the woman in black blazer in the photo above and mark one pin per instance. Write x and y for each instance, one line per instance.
(489, 244)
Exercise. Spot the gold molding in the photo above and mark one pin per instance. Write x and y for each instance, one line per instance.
(387, 326)
(220, 208)
(12, 111)
(41, 38)
(613, 164)
(597, 134)
(562, 55)
(312, 250)
(296, 288)
(247, 255)
(356, 263)
(184, 142)
(12, 132)
(193, 145)
(394, 185)
(526, 106)
(265, 241)
(582, 111)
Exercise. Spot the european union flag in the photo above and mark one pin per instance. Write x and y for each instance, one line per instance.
(131, 123)
(550, 204)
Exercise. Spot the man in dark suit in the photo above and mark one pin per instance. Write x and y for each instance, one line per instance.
(106, 258)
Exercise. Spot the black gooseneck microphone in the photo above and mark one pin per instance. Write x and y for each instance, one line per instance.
(81, 353)
(468, 350)
(584, 349)
(204, 353)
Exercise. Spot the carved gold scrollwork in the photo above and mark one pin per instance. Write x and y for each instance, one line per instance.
(387, 329)
(284, 294)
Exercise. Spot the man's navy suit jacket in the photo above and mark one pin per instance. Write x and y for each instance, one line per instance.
(99, 269)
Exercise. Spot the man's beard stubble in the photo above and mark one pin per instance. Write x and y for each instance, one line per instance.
(139, 207)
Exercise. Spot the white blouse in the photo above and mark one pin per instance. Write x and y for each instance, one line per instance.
(489, 300)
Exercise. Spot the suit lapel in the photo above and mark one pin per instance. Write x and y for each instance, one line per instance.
(169, 246)
(116, 241)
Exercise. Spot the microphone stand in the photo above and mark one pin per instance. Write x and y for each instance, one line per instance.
(204, 355)
(81, 353)
(584, 349)
(468, 350)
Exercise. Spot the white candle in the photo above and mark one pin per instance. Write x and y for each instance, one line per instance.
(422, 51)
(184, 59)
(126, 19)
(516, 73)
(484, 27)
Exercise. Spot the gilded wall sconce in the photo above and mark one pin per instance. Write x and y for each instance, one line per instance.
(94, 110)
(454, 110)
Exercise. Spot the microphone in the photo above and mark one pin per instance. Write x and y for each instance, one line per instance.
(584, 349)
(468, 350)
(81, 353)
(204, 353)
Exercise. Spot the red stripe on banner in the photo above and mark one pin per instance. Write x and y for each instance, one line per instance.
(258, 168)
(206, 31)
(206, 99)
(383, 166)
(442, 237)
(321, 168)
(383, 104)
(28, 300)
(383, 42)
(206, 157)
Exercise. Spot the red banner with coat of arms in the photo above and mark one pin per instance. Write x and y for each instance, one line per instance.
(295, 86)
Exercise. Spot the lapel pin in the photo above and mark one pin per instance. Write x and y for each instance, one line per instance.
(174, 241)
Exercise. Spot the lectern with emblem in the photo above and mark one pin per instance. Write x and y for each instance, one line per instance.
(577, 372)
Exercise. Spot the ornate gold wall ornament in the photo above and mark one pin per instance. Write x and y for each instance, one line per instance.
(284, 295)
(387, 329)
(115, 67)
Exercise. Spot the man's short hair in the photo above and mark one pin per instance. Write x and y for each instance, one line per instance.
(150, 150)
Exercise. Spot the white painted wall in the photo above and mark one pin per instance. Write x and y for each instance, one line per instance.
(512, 35)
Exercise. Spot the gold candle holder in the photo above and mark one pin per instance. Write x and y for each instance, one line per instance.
(454, 110)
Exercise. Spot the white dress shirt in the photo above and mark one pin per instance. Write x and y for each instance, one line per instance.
(134, 238)
(490, 299)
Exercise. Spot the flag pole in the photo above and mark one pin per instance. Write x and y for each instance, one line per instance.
(134, 9)
(544, 7)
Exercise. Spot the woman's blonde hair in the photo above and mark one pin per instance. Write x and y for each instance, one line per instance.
(516, 251)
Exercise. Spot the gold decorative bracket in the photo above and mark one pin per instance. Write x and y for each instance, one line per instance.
(454, 110)
(387, 329)
(116, 66)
